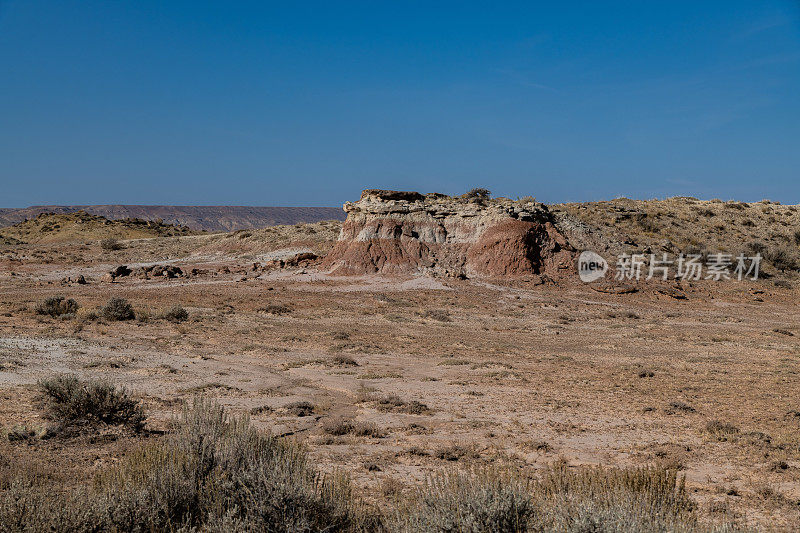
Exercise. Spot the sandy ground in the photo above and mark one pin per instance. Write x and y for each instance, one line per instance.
(501, 371)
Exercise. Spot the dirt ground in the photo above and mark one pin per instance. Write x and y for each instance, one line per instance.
(449, 372)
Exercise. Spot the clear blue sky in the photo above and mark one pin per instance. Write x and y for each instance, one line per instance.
(306, 103)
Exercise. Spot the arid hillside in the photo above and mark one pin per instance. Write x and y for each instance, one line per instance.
(208, 218)
(688, 225)
(82, 226)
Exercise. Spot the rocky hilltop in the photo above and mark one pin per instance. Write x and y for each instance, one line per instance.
(469, 236)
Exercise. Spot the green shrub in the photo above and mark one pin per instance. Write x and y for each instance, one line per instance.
(72, 401)
(118, 309)
(56, 306)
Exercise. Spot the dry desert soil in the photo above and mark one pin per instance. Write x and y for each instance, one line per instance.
(446, 372)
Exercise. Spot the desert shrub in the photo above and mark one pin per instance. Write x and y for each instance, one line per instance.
(175, 314)
(489, 500)
(782, 259)
(213, 473)
(110, 244)
(441, 315)
(56, 306)
(277, 309)
(477, 193)
(301, 408)
(395, 403)
(73, 401)
(343, 360)
(721, 430)
(118, 309)
(343, 426)
(30, 506)
(562, 499)
(611, 499)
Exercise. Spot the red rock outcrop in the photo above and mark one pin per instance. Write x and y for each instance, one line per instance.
(405, 232)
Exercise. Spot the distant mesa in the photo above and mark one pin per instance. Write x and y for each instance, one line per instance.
(400, 232)
(199, 218)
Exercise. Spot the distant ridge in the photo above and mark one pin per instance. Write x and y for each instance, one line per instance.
(209, 218)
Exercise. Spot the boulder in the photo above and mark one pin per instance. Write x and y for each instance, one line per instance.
(120, 271)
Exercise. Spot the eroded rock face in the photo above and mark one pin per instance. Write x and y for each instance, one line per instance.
(405, 232)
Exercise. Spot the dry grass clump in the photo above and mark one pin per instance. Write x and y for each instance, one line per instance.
(440, 315)
(277, 309)
(214, 472)
(118, 309)
(71, 401)
(110, 244)
(346, 426)
(343, 360)
(301, 408)
(563, 499)
(57, 306)
(395, 403)
(721, 430)
(175, 314)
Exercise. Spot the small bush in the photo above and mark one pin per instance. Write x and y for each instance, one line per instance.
(213, 473)
(118, 309)
(343, 360)
(57, 306)
(277, 309)
(721, 430)
(440, 315)
(395, 403)
(72, 401)
(175, 314)
(110, 244)
(477, 193)
(301, 408)
(344, 426)
(782, 259)
(488, 500)
(677, 406)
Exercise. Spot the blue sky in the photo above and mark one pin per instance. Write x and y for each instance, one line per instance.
(307, 103)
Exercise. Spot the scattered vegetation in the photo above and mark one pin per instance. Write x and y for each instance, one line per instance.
(57, 306)
(395, 403)
(569, 500)
(176, 314)
(440, 315)
(214, 472)
(110, 244)
(71, 401)
(477, 193)
(343, 426)
(277, 309)
(301, 408)
(118, 309)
